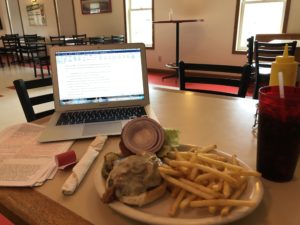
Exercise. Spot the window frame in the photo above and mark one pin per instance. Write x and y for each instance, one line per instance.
(125, 22)
(236, 24)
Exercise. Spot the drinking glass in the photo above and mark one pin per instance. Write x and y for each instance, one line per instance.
(278, 137)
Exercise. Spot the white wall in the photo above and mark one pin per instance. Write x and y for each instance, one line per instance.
(16, 21)
(101, 24)
(4, 19)
(66, 17)
(206, 42)
(294, 18)
(51, 26)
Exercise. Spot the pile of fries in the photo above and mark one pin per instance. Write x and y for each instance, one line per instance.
(202, 178)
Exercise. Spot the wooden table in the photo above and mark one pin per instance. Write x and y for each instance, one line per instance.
(177, 22)
(202, 119)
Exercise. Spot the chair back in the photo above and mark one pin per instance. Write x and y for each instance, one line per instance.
(38, 50)
(58, 40)
(96, 40)
(2, 53)
(118, 38)
(33, 38)
(79, 39)
(11, 35)
(107, 40)
(30, 38)
(25, 48)
(40, 57)
(241, 82)
(250, 50)
(28, 102)
(11, 44)
(265, 53)
(250, 55)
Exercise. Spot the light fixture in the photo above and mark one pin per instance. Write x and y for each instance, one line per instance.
(33, 1)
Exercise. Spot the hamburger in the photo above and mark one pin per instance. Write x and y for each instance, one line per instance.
(135, 180)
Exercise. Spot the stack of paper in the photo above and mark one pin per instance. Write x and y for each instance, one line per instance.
(23, 160)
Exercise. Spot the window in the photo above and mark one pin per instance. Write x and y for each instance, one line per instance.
(139, 17)
(259, 17)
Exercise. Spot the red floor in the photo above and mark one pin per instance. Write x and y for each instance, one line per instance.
(172, 82)
(156, 79)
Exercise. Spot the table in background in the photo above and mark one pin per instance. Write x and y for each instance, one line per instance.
(202, 119)
(177, 22)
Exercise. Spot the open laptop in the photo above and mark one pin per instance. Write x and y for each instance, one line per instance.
(96, 79)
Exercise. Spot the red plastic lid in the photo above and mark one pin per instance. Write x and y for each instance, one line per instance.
(143, 134)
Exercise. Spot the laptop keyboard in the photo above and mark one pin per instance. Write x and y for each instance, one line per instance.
(100, 115)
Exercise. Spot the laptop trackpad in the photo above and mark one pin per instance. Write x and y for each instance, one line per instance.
(105, 128)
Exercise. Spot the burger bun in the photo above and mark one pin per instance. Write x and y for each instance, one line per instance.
(146, 197)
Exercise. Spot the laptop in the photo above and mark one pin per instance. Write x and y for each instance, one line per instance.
(90, 81)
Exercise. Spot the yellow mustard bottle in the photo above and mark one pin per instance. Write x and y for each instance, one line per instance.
(287, 65)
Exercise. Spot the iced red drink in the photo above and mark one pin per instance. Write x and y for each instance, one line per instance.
(278, 138)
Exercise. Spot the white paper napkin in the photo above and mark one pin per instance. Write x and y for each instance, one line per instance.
(83, 165)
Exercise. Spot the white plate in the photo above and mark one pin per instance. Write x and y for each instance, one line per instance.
(157, 212)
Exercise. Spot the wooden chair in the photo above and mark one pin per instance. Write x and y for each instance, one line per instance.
(241, 82)
(25, 46)
(79, 39)
(58, 40)
(2, 54)
(28, 102)
(96, 40)
(250, 50)
(264, 54)
(118, 38)
(107, 40)
(250, 56)
(40, 58)
(11, 44)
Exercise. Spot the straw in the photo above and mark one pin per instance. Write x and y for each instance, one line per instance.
(281, 94)
(281, 85)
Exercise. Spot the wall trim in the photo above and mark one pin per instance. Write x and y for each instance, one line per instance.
(56, 16)
(22, 25)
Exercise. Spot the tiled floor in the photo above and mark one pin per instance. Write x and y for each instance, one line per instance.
(10, 108)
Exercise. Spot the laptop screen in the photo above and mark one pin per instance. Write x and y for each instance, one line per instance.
(99, 76)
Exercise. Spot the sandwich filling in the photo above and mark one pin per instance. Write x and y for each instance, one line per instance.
(134, 175)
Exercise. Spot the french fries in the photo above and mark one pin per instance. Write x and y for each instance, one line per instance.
(203, 178)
